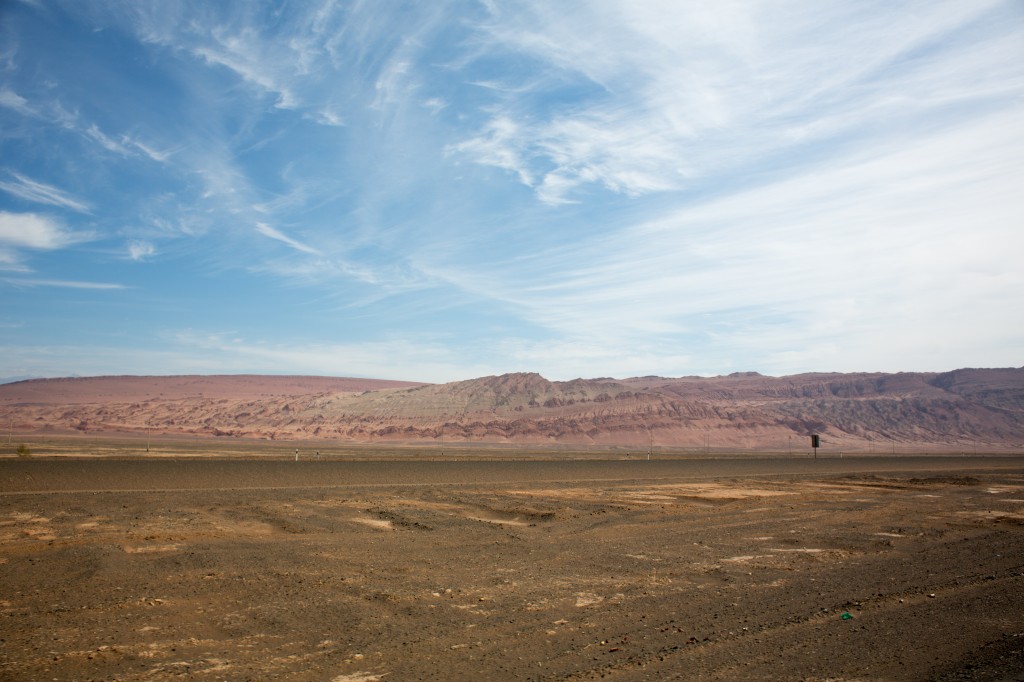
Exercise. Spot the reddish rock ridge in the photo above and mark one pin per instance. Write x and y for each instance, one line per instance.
(958, 410)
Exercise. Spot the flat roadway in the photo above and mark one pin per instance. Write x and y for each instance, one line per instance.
(50, 475)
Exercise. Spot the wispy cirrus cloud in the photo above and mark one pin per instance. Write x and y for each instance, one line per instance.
(237, 53)
(268, 231)
(14, 101)
(125, 145)
(62, 283)
(421, 359)
(53, 112)
(11, 261)
(94, 133)
(327, 116)
(286, 60)
(39, 192)
(805, 260)
(684, 91)
(502, 144)
(193, 351)
(630, 186)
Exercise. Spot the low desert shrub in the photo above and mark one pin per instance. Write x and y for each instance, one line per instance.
(23, 450)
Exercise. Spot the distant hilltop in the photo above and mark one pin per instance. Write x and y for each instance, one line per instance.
(957, 410)
(11, 380)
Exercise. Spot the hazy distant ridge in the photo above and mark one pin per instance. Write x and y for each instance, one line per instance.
(958, 409)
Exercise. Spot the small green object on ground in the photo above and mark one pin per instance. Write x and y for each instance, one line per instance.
(846, 616)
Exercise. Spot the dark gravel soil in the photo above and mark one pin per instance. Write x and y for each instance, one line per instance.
(356, 572)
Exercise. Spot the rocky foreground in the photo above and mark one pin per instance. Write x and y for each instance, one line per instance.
(962, 410)
(759, 568)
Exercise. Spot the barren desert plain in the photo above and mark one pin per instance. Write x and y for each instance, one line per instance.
(217, 562)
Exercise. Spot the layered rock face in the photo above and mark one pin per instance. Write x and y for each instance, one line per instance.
(959, 410)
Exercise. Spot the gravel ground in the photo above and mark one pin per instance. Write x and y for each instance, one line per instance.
(737, 569)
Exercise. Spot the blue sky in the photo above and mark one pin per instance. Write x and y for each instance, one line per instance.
(449, 189)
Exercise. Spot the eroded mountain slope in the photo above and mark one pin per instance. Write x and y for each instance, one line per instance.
(957, 409)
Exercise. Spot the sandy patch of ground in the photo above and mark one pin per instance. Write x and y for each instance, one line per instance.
(680, 493)
(382, 524)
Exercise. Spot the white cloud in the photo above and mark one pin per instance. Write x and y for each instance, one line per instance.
(94, 133)
(588, 357)
(288, 59)
(62, 283)
(194, 352)
(34, 231)
(140, 250)
(501, 145)
(328, 117)
(240, 54)
(10, 262)
(268, 231)
(435, 104)
(63, 360)
(126, 145)
(383, 359)
(39, 192)
(857, 258)
(14, 101)
(394, 84)
(19, 231)
(670, 187)
(160, 156)
(691, 90)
